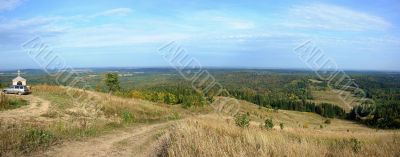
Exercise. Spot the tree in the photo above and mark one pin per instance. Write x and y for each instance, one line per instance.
(112, 82)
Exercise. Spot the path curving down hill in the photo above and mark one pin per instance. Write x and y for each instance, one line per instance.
(134, 141)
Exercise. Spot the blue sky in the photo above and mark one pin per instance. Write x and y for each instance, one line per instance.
(357, 34)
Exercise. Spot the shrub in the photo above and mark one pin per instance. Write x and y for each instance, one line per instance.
(128, 117)
(281, 126)
(268, 124)
(242, 120)
(352, 143)
(355, 144)
(210, 99)
(174, 116)
(328, 121)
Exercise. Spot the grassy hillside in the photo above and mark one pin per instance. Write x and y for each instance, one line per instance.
(343, 99)
(296, 119)
(75, 114)
(216, 135)
(80, 103)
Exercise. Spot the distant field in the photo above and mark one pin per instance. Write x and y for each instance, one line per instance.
(335, 97)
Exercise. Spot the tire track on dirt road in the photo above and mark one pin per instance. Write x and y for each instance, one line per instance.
(134, 141)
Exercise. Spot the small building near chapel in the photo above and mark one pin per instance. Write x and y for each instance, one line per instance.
(19, 80)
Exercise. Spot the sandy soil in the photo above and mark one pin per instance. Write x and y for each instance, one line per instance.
(134, 141)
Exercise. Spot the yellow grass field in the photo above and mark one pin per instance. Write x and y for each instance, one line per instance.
(343, 99)
(216, 135)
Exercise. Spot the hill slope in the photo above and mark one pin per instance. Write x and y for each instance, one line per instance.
(87, 123)
(216, 135)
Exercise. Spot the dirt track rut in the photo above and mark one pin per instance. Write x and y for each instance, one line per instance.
(135, 141)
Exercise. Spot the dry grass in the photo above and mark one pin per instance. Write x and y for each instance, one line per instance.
(81, 103)
(11, 102)
(76, 114)
(217, 136)
(343, 99)
(296, 119)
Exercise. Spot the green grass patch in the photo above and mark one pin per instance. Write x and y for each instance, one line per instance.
(8, 103)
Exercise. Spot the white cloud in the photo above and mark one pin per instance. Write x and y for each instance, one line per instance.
(15, 24)
(220, 19)
(331, 17)
(36, 23)
(234, 23)
(105, 36)
(115, 12)
(9, 4)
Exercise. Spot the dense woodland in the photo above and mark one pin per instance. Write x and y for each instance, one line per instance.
(275, 89)
(385, 91)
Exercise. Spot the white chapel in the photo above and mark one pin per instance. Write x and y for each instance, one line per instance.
(19, 80)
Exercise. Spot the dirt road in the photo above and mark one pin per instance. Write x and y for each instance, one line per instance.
(135, 141)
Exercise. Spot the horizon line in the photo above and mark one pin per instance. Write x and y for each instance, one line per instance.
(207, 67)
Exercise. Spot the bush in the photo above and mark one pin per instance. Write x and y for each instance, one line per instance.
(281, 126)
(128, 117)
(174, 116)
(355, 145)
(328, 121)
(242, 120)
(268, 124)
(352, 143)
